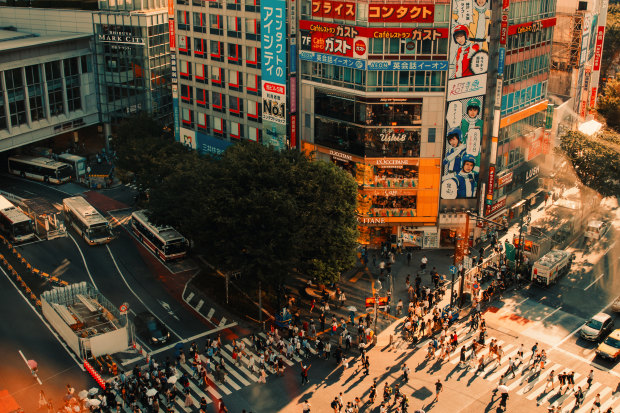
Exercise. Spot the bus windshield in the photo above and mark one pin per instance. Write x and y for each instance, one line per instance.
(22, 228)
(175, 247)
(99, 231)
(64, 172)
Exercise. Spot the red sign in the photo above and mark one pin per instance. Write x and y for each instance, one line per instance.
(375, 32)
(535, 144)
(504, 180)
(533, 27)
(503, 32)
(419, 13)
(342, 10)
(171, 34)
(274, 88)
(505, 5)
(593, 98)
(370, 302)
(490, 183)
(490, 209)
(598, 51)
(293, 142)
(341, 46)
(360, 47)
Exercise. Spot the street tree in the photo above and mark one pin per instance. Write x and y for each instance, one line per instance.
(263, 212)
(609, 104)
(595, 159)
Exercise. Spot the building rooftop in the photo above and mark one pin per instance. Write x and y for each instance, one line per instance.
(11, 39)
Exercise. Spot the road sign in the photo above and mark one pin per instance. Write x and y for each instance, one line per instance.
(453, 270)
(123, 308)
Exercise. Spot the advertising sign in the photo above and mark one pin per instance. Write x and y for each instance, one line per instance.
(535, 144)
(122, 36)
(532, 27)
(401, 13)
(469, 44)
(407, 65)
(207, 144)
(490, 209)
(188, 138)
(593, 98)
(375, 32)
(503, 31)
(466, 87)
(532, 173)
(500, 61)
(342, 10)
(293, 135)
(322, 42)
(172, 35)
(491, 182)
(333, 60)
(504, 179)
(273, 72)
(598, 51)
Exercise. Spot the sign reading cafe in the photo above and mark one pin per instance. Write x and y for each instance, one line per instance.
(124, 36)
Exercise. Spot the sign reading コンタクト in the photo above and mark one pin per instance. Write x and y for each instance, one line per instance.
(273, 72)
(401, 12)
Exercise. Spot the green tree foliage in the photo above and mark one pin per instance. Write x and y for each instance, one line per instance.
(609, 104)
(263, 212)
(596, 160)
(611, 47)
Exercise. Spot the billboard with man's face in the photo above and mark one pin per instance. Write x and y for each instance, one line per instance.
(466, 89)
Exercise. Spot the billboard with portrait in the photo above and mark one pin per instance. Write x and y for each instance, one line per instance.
(465, 96)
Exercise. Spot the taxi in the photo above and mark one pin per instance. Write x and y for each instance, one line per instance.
(610, 347)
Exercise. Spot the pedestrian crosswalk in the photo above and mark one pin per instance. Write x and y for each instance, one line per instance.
(240, 374)
(529, 381)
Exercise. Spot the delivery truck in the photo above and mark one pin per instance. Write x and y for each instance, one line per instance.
(551, 266)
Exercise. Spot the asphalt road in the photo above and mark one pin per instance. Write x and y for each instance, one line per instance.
(24, 330)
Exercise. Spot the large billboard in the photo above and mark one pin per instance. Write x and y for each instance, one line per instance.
(465, 94)
(273, 71)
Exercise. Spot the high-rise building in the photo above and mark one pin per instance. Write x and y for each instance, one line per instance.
(234, 72)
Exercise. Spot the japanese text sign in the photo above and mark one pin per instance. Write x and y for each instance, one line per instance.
(343, 10)
(419, 13)
(273, 41)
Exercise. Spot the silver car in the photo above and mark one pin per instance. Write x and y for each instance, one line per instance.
(598, 327)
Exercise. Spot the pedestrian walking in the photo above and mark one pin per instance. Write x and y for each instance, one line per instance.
(503, 401)
(408, 258)
(579, 397)
(550, 380)
(405, 372)
(387, 391)
(373, 391)
(423, 263)
(597, 403)
(590, 378)
(534, 351)
(399, 307)
(263, 376)
(306, 407)
(438, 389)
(304, 373)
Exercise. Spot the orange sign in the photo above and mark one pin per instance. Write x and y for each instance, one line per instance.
(509, 120)
(370, 302)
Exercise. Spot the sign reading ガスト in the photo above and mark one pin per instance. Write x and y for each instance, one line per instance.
(273, 72)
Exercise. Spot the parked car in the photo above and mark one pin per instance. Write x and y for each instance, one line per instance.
(151, 329)
(598, 327)
(615, 306)
(610, 347)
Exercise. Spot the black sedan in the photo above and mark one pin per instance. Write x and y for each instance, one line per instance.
(151, 329)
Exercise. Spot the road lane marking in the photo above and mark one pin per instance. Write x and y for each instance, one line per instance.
(62, 343)
(521, 302)
(136, 295)
(593, 282)
(550, 314)
(585, 360)
(90, 277)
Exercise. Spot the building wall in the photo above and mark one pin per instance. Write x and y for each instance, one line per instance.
(47, 21)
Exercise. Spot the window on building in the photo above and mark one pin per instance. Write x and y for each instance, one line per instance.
(217, 77)
(431, 135)
(234, 80)
(215, 24)
(236, 130)
(202, 121)
(3, 122)
(16, 96)
(233, 26)
(186, 93)
(200, 22)
(234, 54)
(253, 110)
(252, 29)
(200, 47)
(86, 64)
(202, 74)
(53, 78)
(35, 92)
(253, 84)
(219, 127)
(202, 98)
(187, 117)
(252, 57)
(254, 134)
(216, 51)
(73, 83)
(184, 45)
(185, 69)
(183, 19)
(233, 4)
(217, 102)
(235, 106)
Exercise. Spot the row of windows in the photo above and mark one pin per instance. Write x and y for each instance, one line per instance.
(217, 51)
(220, 102)
(406, 47)
(32, 78)
(247, 5)
(529, 39)
(522, 127)
(530, 10)
(375, 81)
(522, 98)
(216, 24)
(218, 127)
(525, 69)
(222, 78)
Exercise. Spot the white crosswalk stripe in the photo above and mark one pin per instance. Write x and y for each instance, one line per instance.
(589, 399)
(571, 406)
(535, 380)
(615, 397)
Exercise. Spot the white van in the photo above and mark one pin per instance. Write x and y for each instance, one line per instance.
(596, 230)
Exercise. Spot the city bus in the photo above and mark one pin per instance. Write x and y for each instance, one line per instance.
(87, 221)
(40, 169)
(14, 223)
(165, 242)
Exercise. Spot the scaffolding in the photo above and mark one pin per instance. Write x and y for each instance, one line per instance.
(574, 47)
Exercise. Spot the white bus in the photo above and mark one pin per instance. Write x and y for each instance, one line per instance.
(165, 242)
(15, 224)
(87, 221)
(40, 169)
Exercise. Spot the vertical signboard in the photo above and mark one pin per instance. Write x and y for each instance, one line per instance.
(465, 94)
(273, 71)
(173, 70)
